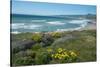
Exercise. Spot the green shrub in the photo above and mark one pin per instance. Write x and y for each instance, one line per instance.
(37, 46)
(30, 53)
(56, 34)
(42, 58)
(15, 50)
(23, 61)
(37, 37)
(82, 41)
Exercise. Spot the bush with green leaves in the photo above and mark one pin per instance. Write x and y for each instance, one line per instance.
(23, 61)
(15, 50)
(56, 34)
(24, 58)
(37, 37)
(42, 58)
(36, 46)
(57, 48)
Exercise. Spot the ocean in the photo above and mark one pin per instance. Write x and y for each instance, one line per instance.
(34, 23)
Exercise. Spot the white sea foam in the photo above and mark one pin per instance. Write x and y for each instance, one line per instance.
(56, 23)
(32, 26)
(71, 29)
(78, 21)
(82, 23)
(24, 26)
(15, 32)
(16, 24)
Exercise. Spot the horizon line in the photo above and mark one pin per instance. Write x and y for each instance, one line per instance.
(55, 15)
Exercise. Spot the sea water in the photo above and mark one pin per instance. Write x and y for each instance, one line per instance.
(34, 23)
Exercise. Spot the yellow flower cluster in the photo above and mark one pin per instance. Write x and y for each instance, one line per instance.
(49, 50)
(61, 53)
(73, 54)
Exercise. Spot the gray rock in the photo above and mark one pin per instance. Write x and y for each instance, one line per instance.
(22, 45)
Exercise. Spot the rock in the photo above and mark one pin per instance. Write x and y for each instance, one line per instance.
(22, 45)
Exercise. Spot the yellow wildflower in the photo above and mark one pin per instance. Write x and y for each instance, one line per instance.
(55, 56)
(60, 57)
(60, 50)
(63, 55)
(52, 55)
(49, 50)
(73, 53)
(66, 55)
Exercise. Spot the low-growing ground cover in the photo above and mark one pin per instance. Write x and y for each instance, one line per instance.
(53, 48)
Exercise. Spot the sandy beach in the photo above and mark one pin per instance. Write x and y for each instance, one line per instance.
(90, 26)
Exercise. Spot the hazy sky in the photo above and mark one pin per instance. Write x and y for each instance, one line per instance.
(40, 8)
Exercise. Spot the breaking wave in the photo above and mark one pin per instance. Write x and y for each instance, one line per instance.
(56, 23)
(25, 26)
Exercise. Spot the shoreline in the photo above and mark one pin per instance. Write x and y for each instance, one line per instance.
(90, 26)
